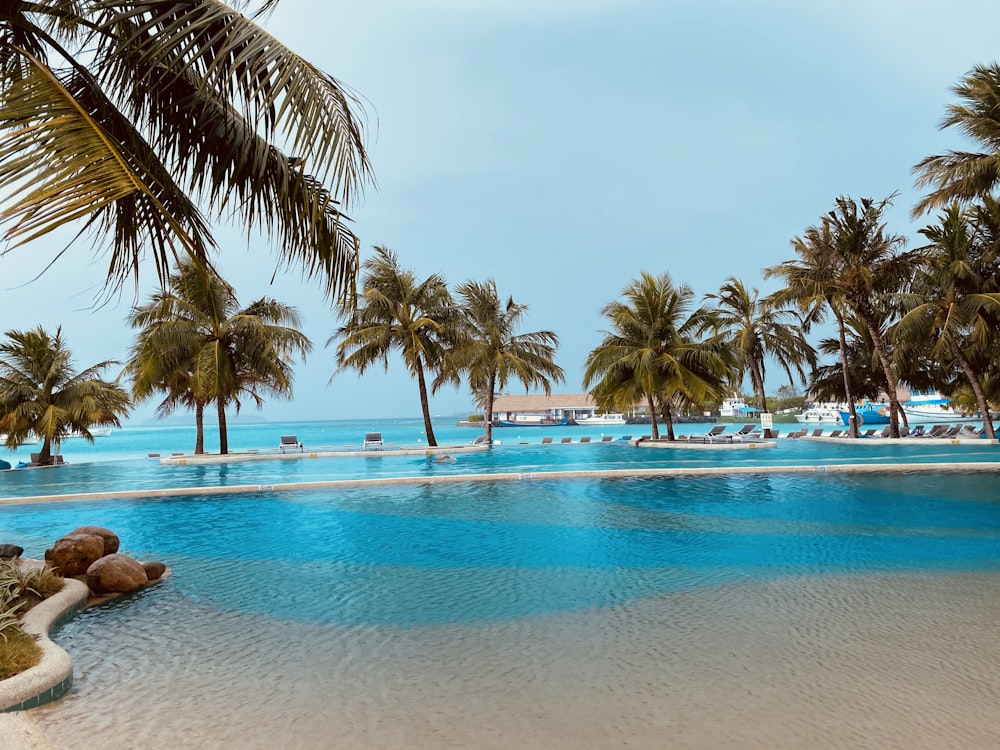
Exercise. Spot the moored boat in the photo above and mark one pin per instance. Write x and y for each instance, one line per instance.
(602, 419)
(933, 407)
(821, 414)
(532, 420)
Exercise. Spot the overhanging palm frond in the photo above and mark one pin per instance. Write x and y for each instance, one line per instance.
(89, 173)
(218, 49)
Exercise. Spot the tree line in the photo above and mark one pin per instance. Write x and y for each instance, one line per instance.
(147, 122)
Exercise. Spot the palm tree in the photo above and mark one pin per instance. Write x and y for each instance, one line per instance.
(863, 263)
(654, 354)
(41, 395)
(197, 346)
(962, 175)
(135, 118)
(949, 306)
(491, 352)
(397, 312)
(756, 330)
(810, 284)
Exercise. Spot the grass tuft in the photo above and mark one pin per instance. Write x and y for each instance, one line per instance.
(18, 652)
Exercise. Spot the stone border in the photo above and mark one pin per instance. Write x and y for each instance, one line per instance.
(52, 677)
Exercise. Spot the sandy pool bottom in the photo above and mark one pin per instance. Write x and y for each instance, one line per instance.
(888, 661)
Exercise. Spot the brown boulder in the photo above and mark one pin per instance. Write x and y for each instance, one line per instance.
(111, 541)
(154, 570)
(10, 551)
(116, 574)
(74, 553)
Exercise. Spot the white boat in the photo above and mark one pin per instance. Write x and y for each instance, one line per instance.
(737, 409)
(602, 419)
(933, 407)
(94, 431)
(821, 414)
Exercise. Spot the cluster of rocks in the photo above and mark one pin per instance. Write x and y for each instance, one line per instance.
(91, 554)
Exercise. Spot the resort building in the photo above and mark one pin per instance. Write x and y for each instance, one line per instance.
(535, 409)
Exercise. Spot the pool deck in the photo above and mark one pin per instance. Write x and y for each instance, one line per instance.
(297, 454)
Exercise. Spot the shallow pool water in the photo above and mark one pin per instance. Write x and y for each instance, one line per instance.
(743, 611)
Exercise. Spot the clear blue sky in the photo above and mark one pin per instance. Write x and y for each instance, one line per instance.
(564, 146)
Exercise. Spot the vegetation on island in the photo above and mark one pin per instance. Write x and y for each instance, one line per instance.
(197, 346)
(148, 122)
(41, 395)
(20, 590)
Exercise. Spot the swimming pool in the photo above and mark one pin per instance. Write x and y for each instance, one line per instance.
(544, 613)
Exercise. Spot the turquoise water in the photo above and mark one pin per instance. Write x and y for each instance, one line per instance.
(413, 555)
(534, 613)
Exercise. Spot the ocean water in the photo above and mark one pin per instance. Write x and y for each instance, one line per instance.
(745, 611)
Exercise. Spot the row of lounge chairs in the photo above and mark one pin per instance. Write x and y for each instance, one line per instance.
(959, 432)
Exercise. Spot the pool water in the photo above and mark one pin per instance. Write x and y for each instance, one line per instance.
(743, 611)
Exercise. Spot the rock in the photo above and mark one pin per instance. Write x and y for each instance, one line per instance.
(111, 541)
(154, 570)
(10, 551)
(116, 574)
(74, 553)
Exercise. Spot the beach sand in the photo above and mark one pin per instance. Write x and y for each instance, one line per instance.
(889, 661)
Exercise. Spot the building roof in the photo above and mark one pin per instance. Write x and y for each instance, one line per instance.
(541, 402)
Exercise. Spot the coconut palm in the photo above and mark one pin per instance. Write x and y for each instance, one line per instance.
(41, 395)
(196, 345)
(810, 284)
(949, 306)
(862, 263)
(654, 352)
(395, 311)
(132, 119)
(966, 175)
(491, 352)
(755, 330)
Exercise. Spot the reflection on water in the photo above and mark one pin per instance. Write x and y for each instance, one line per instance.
(776, 611)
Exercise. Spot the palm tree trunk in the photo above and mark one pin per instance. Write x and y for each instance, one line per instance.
(45, 454)
(425, 404)
(489, 409)
(199, 422)
(654, 428)
(223, 433)
(758, 386)
(669, 419)
(890, 377)
(977, 387)
(848, 394)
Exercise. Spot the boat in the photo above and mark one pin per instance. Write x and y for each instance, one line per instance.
(933, 407)
(609, 419)
(821, 414)
(533, 420)
(94, 432)
(737, 409)
(868, 414)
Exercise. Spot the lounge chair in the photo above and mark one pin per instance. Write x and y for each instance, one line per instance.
(585, 439)
(713, 435)
(798, 433)
(937, 431)
(870, 433)
(951, 432)
(373, 441)
(566, 440)
(546, 440)
(836, 433)
(289, 442)
(818, 432)
(606, 438)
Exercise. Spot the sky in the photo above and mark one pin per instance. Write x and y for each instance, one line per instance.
(563, 147)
